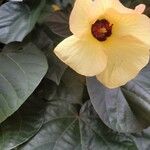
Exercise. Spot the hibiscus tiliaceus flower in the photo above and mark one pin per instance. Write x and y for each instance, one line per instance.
(109, 41)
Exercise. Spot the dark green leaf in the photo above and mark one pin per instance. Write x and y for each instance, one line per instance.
(134, 3)
(56, 67)
(21, 70)
(142, 139)
(22, 125)
(130, 3)
(113, 106)
(17, 20)
(40, 38)
(66, 129)
(1, 1)
(64, 3)
(47, 89)
(58, 22)
(71, 87)
(137, 94)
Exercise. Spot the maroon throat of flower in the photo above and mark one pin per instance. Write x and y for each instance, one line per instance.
(101, 29)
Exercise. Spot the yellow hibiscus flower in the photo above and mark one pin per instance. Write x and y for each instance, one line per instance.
(109, 41)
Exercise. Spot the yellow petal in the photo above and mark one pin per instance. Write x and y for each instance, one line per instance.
(139, 27)
(85, 57)
(126, 57)
(86, 12)
(134, 24)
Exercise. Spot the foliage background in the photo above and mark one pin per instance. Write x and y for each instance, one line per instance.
(44, 105)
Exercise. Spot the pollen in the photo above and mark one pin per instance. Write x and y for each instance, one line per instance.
(101, 29)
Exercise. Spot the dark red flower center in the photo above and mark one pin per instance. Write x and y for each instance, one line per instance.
(101, 29)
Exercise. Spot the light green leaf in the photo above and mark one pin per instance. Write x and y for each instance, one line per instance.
(21, 70)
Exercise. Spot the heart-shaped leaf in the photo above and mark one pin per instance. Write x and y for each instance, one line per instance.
(112, 107)
(70, 126)
(66, 129)
(21, 70)
(125, 109)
